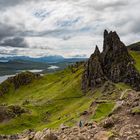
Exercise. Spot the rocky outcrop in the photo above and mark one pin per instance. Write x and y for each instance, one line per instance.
(18, 80)
(114, 64)
(9, 112)
(23, 78)
(115, 57)
(93, 75)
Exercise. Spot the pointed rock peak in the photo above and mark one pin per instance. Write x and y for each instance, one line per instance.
(112, 42)
(113, 34)
(105, 33)
(97, 52)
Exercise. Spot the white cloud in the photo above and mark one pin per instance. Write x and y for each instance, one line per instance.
(67, 27)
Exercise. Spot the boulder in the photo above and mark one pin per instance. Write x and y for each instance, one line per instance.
(45, 135)
(102, 135)
(108, 123)
(9, 112)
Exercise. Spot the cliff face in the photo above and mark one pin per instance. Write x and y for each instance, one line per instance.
(114, 64)
(93, 75)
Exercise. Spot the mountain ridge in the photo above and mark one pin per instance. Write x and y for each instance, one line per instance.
(134, 46)
(47, 59)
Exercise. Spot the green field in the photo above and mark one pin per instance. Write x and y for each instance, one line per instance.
(136, 56)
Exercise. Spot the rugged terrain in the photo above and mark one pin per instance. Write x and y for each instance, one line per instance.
(123, 123)
(113, 64)
(100, 94)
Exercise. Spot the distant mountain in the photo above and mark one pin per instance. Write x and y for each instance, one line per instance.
(55, 58)
(12, 65)
(134, 47)
(47, 59)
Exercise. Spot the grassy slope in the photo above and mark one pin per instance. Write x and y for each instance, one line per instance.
(103, 110)
(54, 99)
(136, 56)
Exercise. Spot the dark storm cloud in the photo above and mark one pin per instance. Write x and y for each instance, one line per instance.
(7, 36)
(15, 42)
(7, 30)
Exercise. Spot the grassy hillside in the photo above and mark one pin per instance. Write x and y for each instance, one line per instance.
(136, 56)
(51, 100)
(55, 99)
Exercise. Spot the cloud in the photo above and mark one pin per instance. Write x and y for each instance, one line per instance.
(9, 3)
(65, 27)
(79, 56)
(7, 30)
(14, 42)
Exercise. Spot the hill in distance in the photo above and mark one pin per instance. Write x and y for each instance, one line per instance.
(12, 65)
(44, 59)
(134, 47)
(99, 93)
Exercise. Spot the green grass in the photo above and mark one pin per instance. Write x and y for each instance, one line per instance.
(136, 110)
(122, 86)
(52, 100)
(136, 56)
(103, 110)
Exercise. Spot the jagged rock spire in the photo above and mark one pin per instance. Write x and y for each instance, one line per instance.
(115, 57)
(93, 76)
(110, 41)
(97, 51)
(105, 33)
(114, 64)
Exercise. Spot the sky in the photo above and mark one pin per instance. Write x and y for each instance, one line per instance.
(70, 28)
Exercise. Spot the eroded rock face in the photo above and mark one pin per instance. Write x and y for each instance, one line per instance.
(93, 75)
(114, 64)
(115, 57)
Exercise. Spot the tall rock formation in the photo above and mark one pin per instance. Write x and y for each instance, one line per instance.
(93, 75)
(114, 64)
(115, 57)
